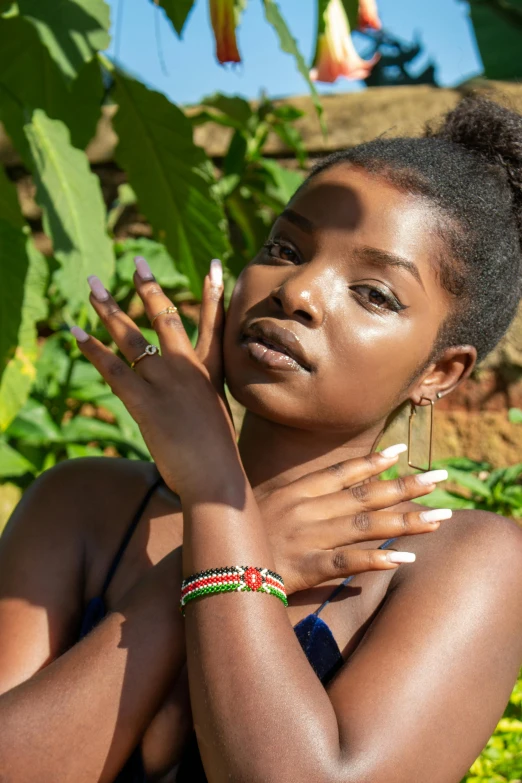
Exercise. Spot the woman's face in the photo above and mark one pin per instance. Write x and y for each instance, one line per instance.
(350, 271)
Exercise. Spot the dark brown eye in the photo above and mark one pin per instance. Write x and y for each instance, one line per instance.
(281, 251)
(382, 300)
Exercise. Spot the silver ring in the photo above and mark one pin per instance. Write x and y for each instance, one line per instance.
(150, 350)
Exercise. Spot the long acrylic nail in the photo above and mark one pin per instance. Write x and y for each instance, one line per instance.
(216, 272)
(432, 477)
(98, 288)
(393, 451)
(79, 333)
(144, 270)
(400, 557)
(436, 514)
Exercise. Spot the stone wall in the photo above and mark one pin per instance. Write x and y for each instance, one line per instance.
(471, 421)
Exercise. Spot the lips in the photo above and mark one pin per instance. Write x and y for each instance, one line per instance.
(278, 338)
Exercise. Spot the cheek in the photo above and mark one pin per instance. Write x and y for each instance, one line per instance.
(369, 367)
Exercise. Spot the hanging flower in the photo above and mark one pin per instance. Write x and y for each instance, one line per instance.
(335, 55)
(223, 18)
(369, 15)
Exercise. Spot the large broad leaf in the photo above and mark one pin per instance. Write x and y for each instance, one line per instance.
(9, 206)
(74, 212)
(289, 44)
(498, 29)
(177, 11)
(34, 425)
(72, 30)
(171, 177)
(24, 279)
(12, 463)
(30, 79)
(160, 261)
(14, 266)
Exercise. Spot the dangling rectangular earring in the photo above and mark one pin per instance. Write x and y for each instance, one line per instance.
(410, 427)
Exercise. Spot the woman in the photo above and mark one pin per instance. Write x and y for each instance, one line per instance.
(395, 267)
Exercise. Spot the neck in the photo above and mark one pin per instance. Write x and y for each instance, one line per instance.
(273, 454)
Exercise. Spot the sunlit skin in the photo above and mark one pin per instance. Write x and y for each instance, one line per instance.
(299, 495)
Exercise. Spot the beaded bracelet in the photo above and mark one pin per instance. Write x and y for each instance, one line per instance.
(233, 579)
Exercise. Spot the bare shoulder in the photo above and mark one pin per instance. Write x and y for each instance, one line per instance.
(482, 538)
(473, 562)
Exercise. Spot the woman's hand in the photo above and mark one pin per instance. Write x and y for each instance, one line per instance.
(312, 520)
(170, 395)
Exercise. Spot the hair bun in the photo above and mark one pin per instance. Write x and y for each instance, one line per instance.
(491, 130)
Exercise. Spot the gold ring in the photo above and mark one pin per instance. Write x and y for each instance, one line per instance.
(170, 309)
(150, 350)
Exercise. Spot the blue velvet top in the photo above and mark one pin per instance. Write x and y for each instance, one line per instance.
(313, 633)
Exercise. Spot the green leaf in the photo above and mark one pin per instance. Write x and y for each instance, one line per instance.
(288, 44)
(177, 11)
(9, 206)
(83, 429)
(498, 29)
(30, 79)
(469, 481)
(232, 106)
(442, 498)
(171, 176)
(286, 182)
(515, 415)
(74, 212)
(157, 255)
(34, 425)
(24, 275)
(12, 463)
(72, 30)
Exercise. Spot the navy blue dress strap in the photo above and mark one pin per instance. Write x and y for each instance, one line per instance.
(129, 532)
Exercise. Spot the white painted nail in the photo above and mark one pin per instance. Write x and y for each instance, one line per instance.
(216, 272)
(392, 451)
(80, 335)
(432, 477)
(144, 270)
(97, 288)
(436, 514)
(400, 557)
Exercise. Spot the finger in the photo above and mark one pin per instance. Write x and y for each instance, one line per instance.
(377, 495)
(209, 348)
(123, 381)
(125, 333)
(172, 336)
(344, 562)
(342, 475)
(376, 525)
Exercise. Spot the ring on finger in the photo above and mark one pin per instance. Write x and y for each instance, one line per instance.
(150, 350)
(170, 309)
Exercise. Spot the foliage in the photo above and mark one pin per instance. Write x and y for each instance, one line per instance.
(498, 29)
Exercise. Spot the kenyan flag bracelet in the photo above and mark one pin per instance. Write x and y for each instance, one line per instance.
(234, 579)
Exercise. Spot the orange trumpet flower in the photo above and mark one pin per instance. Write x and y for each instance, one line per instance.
(336, 55)
(223, 18)
(369, 15)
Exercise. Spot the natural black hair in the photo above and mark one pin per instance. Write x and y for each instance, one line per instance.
(470, 169)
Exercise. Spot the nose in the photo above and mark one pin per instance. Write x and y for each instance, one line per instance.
(300, 297)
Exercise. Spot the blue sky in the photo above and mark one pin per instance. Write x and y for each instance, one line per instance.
(192, 71)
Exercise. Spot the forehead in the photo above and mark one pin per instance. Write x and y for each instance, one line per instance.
(346, 202)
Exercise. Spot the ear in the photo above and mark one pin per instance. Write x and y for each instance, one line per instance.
(453, 366)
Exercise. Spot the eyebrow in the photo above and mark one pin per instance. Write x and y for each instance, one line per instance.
(383, 258)
(298, 220)
(366, 253)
